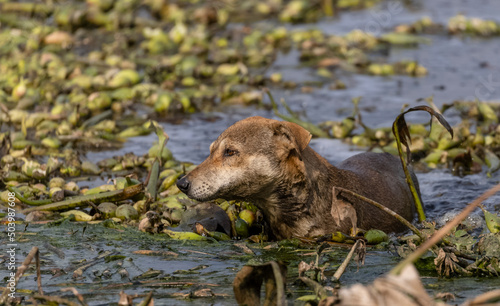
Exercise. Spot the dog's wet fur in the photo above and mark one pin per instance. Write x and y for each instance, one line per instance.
(270, 163)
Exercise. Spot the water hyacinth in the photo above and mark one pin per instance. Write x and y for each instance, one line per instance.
(423, 25)
(123, 78)
(126, 212)
(79, 215)
(98, 101)
(19, 90)
(33, 169)
(51, 142)
(462, 24)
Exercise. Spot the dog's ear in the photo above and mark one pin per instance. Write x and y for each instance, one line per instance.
(295, 134)
(301, 135)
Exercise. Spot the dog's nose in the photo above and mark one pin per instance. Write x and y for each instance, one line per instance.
(183, 184)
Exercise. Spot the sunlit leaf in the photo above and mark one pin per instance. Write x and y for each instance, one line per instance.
(492, 221)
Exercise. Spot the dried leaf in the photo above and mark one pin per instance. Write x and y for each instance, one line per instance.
(125, 299)
(207, 292)
(445, 296)
(248, 282)
(304, 267)
(151, 223)
(245, 248)
(342, 210)
(58, 38)
(403, 289)
(360, 253)
(447, 264)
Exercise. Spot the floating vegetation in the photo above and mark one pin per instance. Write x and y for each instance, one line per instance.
(474, 26)
(457, 25)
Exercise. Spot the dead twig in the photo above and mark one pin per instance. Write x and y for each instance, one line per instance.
(20, 271)
(76, 293)
(156, 253)
(38, 273)
(280, 283)
(148, 300)
(78, 272)
(318, 289)
(345, 263)
(485, 298)
(55, 299)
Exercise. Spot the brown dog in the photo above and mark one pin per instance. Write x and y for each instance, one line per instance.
(270, 163)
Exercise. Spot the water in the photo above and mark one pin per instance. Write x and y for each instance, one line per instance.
(457, 68)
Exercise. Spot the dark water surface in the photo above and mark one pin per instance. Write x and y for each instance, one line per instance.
(457, 70)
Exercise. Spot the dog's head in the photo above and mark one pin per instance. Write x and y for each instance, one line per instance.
(248, 160)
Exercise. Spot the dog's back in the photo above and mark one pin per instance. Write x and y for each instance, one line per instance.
(379, 177)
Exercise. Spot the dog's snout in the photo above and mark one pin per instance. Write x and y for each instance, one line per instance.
(183, 184)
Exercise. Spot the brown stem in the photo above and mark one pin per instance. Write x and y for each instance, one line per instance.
(484, 298)
(20, 272)
(75, 293)
(38, 273)
(345, 263)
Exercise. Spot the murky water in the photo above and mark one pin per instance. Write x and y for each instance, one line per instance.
(457, 69)
(113, 266)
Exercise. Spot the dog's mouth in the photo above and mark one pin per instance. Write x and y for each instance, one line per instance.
(201, 198)
(206, 193)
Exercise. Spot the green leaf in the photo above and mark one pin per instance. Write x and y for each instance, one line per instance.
(375, 236)
(492, 161)
(404, 39)
(492, 221)
(308, 298)
(152, 180)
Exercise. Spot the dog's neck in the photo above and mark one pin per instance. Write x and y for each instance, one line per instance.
(288, 208)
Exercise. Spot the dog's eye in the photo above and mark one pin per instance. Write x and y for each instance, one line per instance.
(229, 152)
